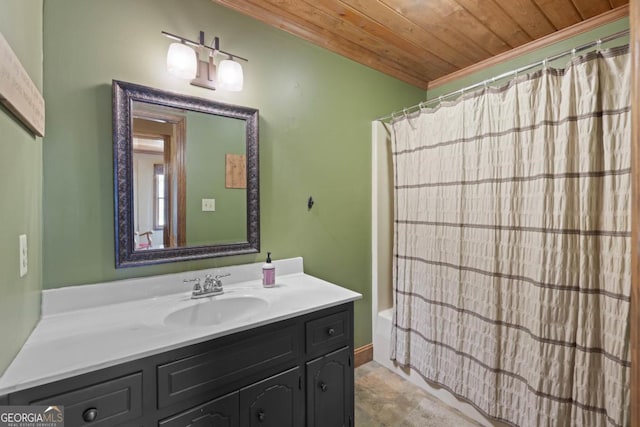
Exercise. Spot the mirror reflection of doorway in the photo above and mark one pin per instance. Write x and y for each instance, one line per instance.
(159, 180)
(148, 182)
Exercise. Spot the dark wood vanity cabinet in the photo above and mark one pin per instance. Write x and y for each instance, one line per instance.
(330, 390)
(291, 373)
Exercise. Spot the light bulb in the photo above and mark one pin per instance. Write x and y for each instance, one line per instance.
(182, 61)
(230, 76)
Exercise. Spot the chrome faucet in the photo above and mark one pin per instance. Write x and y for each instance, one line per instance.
(212, 286)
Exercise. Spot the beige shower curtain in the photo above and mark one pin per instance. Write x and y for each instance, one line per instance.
(512, 245)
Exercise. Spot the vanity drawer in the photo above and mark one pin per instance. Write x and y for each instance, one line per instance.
(107, 403)
(328, 333)
(225, 363)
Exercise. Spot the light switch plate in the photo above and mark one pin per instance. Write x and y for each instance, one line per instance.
(24, 266)
(208, 205)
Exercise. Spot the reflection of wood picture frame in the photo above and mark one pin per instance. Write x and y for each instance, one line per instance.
(235, 171)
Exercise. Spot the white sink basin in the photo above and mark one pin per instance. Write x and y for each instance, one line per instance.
(216, 311)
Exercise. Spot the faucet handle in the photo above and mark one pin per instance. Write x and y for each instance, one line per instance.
(196, 287)
(217, 283)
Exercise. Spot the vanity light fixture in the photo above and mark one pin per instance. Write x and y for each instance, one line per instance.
(182, 61)
(230, 76)
(194, 61)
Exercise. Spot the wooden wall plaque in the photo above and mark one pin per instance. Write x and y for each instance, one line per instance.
(18, 92)
(236, 171)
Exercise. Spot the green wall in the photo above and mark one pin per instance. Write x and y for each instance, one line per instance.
(315, 119)
(20, 188)
(209, 139)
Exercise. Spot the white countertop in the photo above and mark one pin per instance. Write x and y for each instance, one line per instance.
(85, 328)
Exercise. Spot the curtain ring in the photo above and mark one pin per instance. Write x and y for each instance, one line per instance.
(573, 52)
(544, 64)
(599, 45)
(406, 116)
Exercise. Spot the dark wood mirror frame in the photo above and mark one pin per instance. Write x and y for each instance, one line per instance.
(124, 94)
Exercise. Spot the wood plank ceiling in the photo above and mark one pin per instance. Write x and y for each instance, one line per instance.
(419, 41)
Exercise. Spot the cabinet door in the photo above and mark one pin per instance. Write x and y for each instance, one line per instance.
(330, 390)
(274, 402)
(221, 412)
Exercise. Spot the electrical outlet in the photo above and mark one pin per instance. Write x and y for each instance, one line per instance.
(24, 263)
(208, 205)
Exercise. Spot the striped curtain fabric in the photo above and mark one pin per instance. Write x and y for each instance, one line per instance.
(512, 245)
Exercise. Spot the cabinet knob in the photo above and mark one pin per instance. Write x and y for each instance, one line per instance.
(331, 332)
(261, 416)
(323, 387)
(90, 414)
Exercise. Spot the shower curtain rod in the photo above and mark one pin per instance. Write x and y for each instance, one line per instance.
(507, 74)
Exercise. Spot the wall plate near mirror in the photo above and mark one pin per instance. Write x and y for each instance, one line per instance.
(185, 177)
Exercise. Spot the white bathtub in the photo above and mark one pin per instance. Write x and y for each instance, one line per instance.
(381, 351)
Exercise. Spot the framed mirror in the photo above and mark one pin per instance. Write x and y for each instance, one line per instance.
(185, 177)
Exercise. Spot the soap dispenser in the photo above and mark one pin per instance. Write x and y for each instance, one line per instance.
(268, 273)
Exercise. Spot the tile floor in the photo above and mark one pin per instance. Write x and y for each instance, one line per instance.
(384, 399)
